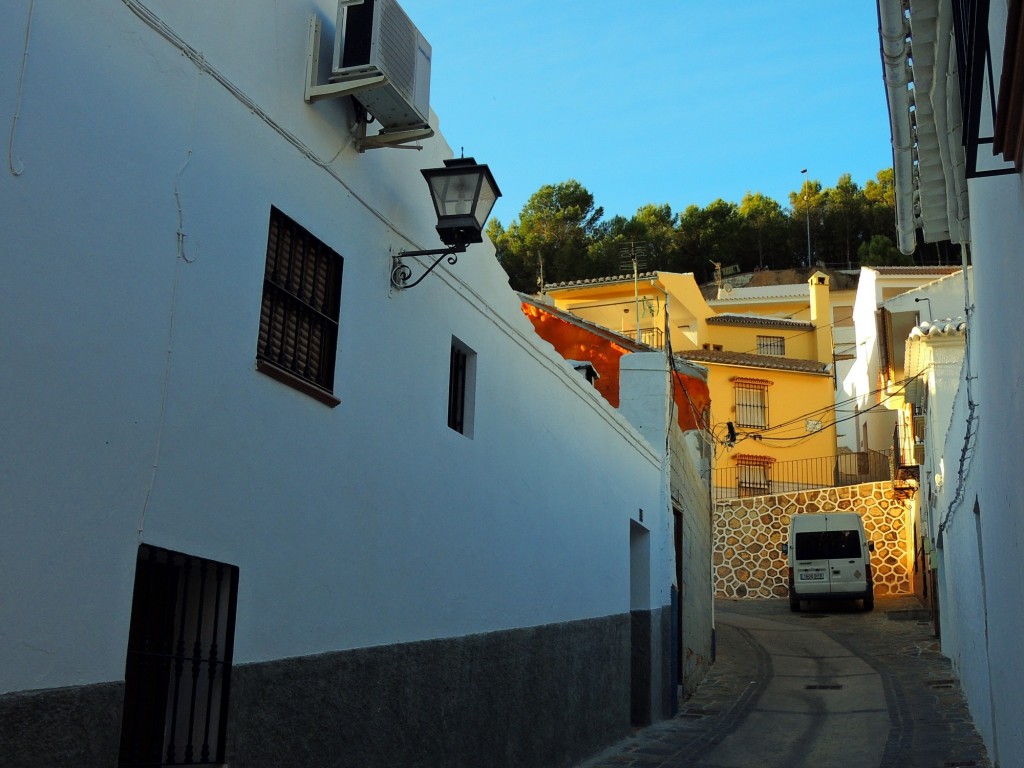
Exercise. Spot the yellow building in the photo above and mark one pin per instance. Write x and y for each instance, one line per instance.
(771, 378)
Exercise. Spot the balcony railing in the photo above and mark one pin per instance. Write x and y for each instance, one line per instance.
(653, 337)
(907, 456)
(802, 475)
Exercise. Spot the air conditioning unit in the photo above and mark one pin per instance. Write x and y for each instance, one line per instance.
(376, 38)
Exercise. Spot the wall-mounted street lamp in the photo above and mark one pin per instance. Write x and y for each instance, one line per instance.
(464, 194)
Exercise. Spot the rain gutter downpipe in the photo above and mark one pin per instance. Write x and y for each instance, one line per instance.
(894, 31)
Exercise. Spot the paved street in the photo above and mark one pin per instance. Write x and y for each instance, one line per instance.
(830, 687)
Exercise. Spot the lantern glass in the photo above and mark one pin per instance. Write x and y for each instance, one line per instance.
(455, 194)
(464, 194)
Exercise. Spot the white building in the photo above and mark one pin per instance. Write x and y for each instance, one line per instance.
(890, 302)
(402, 527)
(958, 146)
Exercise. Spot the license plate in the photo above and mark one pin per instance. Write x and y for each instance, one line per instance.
(812, 576)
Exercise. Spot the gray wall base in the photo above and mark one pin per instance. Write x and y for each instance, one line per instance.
(541, 697)
(78, 726)
(545, 696)
(652, 690)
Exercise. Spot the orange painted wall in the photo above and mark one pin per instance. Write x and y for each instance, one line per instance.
(576, 343)
(693, 402)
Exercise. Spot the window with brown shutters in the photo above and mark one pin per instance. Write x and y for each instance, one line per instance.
(298, 335)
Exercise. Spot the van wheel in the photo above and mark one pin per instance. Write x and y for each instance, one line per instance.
(869, 603)
(794, 605)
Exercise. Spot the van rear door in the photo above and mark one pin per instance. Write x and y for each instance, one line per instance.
(811, 572)
(846, 561)
(829, 560)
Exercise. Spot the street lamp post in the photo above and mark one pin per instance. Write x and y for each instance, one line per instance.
(807, 211)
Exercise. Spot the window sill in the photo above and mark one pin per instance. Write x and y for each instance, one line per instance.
(296, 382)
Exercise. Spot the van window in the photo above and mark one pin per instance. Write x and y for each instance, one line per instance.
(827, 545)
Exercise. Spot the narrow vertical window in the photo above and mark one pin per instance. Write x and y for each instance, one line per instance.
(298, 335)
(177, 674)
(461, 385)
(886, 353)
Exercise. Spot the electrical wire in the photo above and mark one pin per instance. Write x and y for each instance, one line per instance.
(17, 171)
(803, 417)
(155, 23)
(967, 449)
(181, 219)
(760, 435)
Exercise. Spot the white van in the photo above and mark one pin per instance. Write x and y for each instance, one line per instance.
(829, 559)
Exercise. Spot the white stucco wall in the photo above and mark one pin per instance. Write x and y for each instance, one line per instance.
(861, 378)
(645, 400)
(945, 299)
(135, 413)
(997, 226)
(973, 484)
(961, 592)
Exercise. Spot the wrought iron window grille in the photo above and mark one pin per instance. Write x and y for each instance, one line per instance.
(178, 669)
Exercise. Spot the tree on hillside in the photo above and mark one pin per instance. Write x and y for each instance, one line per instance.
(766, 222)
(880, 199)
(844, 219)
(651, 232)
(560, 234)
(882, 189)
(880, 251)
(610, 237)
(553, 232)
(707, 235)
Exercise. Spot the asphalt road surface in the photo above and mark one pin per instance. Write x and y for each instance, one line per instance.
(830, 687)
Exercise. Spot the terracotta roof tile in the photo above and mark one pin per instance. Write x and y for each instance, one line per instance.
(916, 270)
(746, 359)
(599, 280)
(759, 321)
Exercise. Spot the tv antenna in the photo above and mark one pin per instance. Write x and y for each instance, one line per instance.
(633, 255)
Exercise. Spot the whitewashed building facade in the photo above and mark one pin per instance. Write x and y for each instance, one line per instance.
(262, 541)
(958, 143)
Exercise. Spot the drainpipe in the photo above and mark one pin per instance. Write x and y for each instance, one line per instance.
(894, 31)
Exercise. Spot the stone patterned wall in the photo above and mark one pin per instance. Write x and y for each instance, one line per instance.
(749, 533)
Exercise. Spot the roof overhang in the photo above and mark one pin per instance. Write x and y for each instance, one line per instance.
(920, 67)
(941, 86)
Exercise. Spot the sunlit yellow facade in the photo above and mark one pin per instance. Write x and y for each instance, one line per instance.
(770, 377)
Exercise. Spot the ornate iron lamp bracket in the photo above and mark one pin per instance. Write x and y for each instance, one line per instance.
(400, 271)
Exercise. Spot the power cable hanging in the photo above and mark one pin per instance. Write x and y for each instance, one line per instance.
(761, 435)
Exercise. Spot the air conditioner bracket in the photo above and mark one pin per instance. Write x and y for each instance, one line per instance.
(399, 139)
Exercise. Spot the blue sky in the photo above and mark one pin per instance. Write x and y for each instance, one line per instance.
(661, 101)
